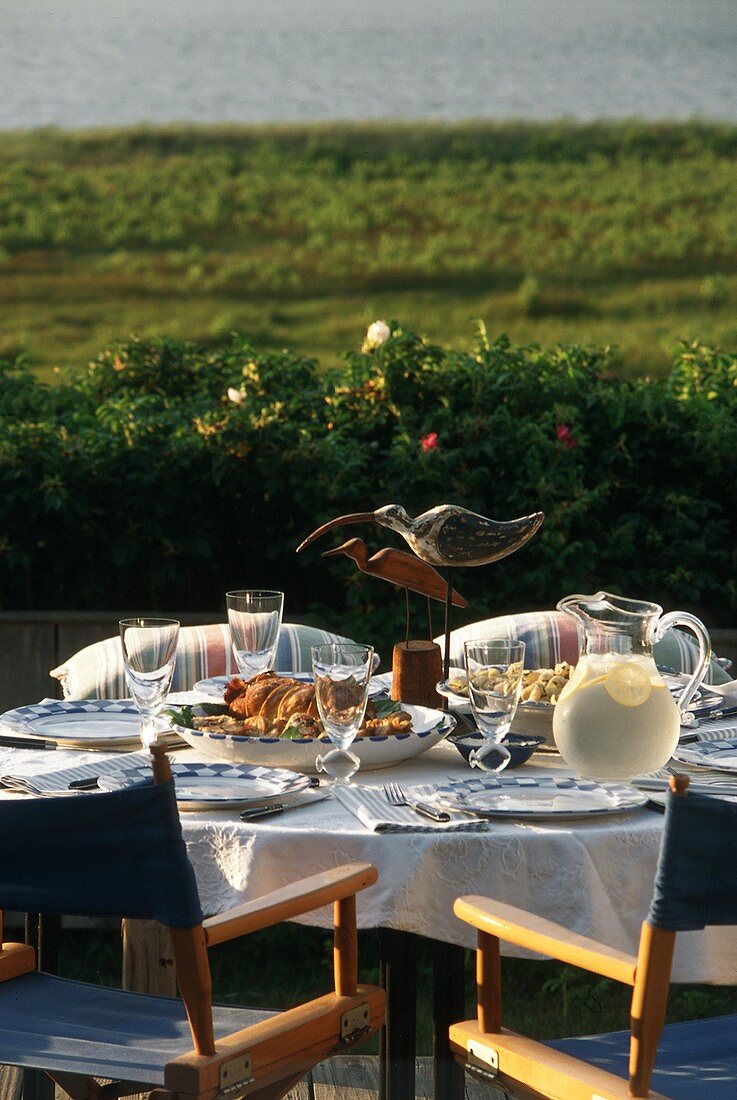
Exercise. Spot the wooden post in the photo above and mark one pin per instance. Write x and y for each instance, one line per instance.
(489, 983)
(345, 947)
(416, 669)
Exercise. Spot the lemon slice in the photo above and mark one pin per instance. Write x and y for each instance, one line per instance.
(628, 684)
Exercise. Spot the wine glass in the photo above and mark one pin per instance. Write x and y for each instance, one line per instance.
(149, 653)
(254, 618)
(342, 672)
(494, 671)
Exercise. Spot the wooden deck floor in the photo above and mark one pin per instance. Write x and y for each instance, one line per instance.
(352, 1077)
(348, 1077)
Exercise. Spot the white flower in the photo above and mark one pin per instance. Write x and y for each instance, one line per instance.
(236, 396)
(377, 334)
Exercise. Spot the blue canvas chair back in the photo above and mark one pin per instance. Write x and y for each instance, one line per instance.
(118, 854)
(696, 880)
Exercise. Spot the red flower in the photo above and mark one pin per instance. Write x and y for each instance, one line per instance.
(563, 432)
(430, 441)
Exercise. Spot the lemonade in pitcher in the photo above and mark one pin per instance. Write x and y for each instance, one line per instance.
(616, 718)
(616, 709)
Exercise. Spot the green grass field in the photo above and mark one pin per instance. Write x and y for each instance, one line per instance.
(622, 234)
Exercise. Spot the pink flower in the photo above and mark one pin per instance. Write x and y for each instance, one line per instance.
(563, 432)
(430, 441)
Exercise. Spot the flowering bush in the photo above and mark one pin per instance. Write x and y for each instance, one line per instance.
(168, 472)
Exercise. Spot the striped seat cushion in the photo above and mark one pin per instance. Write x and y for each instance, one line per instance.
(97, 672)
(552, 636)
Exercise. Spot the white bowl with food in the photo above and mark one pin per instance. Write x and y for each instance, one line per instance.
(272, 721)
(540, 690)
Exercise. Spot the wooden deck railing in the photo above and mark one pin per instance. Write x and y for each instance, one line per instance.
(32, 642)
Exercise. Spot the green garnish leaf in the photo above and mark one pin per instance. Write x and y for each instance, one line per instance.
(385, 707)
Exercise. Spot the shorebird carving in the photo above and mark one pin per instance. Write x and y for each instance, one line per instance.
(398, 567)
(447, 535)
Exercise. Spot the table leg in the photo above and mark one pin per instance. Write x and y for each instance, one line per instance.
(397, 1042)
(448, 995)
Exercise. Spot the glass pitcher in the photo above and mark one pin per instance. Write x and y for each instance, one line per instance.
(616, 717)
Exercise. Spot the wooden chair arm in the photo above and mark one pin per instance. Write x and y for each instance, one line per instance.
(524, 929)
(299, 897)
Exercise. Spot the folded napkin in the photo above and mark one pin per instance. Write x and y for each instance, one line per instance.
(717, 730)
(372, 808)
(58, 781)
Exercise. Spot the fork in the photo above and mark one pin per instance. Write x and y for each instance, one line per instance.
(397, 797)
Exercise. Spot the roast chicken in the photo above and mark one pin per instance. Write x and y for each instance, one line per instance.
(268, 705)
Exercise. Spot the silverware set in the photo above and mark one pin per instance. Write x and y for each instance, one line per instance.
(396, 796)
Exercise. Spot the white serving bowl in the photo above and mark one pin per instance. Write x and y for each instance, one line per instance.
(428, 728)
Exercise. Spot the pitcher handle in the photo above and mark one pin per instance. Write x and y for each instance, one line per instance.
(683, 618)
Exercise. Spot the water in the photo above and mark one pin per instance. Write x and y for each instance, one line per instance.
(76, 63)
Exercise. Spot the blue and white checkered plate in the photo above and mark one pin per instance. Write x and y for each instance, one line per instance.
(538, 798)
(82, 723)
(212, 786)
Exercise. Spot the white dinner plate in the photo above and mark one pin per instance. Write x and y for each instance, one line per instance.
(212, 786)
(215, 685)
(710, 754)
(83, 721)
(538, 797)
(428, 728)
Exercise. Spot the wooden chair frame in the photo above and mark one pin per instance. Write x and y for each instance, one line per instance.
(531, 1068)
(266, 1059)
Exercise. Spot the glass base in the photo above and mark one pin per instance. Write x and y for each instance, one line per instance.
(339, 764)
(151, 729)
(492, 757)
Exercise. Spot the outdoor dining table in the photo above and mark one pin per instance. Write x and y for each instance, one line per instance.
(593, 875)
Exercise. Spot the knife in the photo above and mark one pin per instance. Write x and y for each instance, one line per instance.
(308, 798)
(20, 742)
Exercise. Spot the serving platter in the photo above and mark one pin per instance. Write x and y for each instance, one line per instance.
(428, 728)
(209, 785)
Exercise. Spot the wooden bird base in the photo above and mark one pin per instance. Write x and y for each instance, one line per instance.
(416, 669)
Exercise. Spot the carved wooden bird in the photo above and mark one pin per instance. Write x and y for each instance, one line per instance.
(398, 567)
(447, 535)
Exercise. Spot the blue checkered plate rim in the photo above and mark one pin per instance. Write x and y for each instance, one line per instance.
(82, 720)
(538, 797)
(720, 754)
(211, 785)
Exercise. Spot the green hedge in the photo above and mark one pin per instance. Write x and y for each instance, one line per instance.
(142, 484)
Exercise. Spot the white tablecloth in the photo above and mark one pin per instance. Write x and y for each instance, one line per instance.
(595, 876)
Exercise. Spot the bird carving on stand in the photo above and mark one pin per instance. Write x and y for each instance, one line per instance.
(447, 536)
(398, 567)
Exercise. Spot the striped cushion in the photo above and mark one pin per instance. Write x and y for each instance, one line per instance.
(97, 671)
(552, 636)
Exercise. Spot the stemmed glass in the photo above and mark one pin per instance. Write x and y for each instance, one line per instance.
(149, 654)
(494, 671)
(254, 618)
(342, 672)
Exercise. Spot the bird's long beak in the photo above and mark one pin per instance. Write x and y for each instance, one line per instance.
(355, 517)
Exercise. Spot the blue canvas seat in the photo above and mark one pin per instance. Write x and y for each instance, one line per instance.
(73, 1027)
(122, 854)
(695, 886)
